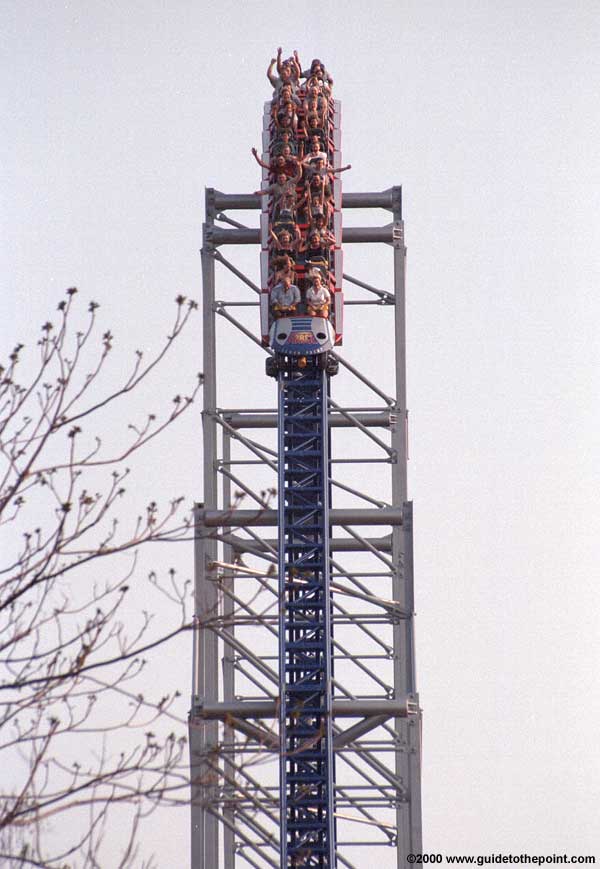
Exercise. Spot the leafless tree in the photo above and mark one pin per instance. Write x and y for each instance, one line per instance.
(69, 657)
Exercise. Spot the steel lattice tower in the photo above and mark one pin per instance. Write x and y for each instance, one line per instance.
(373, 716)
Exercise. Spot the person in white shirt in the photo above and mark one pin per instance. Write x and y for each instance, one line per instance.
(318, 297)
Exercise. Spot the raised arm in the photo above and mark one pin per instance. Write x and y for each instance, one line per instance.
(279, 64)
(322, 185)
(270, 76)
(300, 203)
(341, 169)
(298, 66)
(259, 161)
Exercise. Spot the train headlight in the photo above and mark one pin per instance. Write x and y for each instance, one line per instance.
(321, 336)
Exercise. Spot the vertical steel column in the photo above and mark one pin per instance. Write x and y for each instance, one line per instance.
(228, 672)
(413, 725)
(204, 737)
(408, 811)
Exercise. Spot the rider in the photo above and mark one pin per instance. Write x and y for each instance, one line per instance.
(285, 297)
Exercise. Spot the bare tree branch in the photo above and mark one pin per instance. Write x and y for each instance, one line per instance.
(69, 661)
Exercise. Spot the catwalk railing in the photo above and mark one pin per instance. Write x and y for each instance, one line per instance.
(375, 719)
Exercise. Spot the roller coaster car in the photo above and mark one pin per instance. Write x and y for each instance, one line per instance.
(295, 340)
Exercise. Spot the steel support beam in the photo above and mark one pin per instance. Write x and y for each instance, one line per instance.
(357, 730)
(267, 709)
(350, 235)
(390, 199)
(244, 518)
(338, 544)
(376, 419)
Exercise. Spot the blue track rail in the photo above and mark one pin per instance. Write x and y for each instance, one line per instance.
(305, 653)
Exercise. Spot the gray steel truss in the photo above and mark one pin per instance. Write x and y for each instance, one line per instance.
(233, 720)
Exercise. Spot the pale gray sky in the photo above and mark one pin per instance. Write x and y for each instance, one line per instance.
(116, 115)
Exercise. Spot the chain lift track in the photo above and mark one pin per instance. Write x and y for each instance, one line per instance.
(305, 719)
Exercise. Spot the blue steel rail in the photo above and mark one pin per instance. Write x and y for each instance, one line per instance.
(308, 836)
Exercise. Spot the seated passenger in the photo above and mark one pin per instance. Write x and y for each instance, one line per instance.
(317, 166)
(285, 243)
(287, 123)
(316, 248)
(319, 224)
(320, 270)
(313, 126)
(319, 209)
(318, 297)
(293, 63)
(311, 107)
(285, 210)
(285, 298)
(286, 95)
(314, 152)
(314, 205)
(316, 239)
(283, 185)
(283, 162)
(318, 185)
(286, 117)
(314, 95)
(291, 160)
(317, 198)
(322, 86)
(317, 70)
(287, 75)
(283, 266)
(284, 139)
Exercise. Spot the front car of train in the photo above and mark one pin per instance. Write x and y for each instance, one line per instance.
(301, 304)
